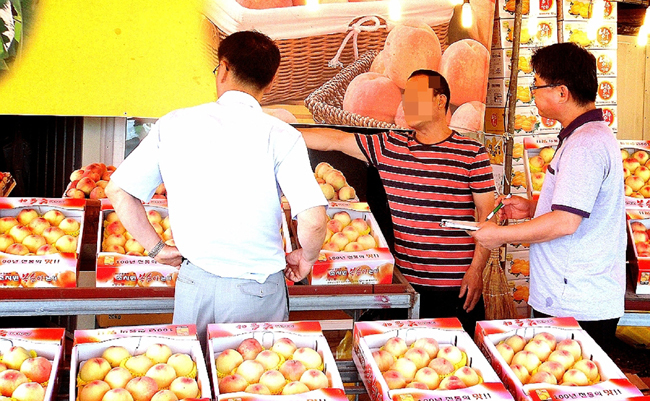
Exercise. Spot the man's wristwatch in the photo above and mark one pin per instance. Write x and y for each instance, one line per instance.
(156, 249)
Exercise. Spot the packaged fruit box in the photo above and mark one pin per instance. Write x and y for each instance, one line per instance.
(551, 358)
(272, 361)
(428, 359)
(546, 8)
(605, 36)
(30, 359)
(635, 156)
(500, 62)
(579, 10)
(40, 241)
(639, 249)
(138, 363)
(355, 251)
(497, 93)
(122, 261)
(538, 153)
(545, 33)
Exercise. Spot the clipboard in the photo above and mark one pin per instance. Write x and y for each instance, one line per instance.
(459, 224)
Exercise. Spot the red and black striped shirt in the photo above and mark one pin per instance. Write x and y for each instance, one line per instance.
(425, 184)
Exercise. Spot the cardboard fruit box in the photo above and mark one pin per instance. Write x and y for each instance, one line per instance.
(611, 384)
(538, 153)
(578, 10)
(369, 266)
(370, 337)
(634, 155)
(181, 339)
(42, 342)
(638, 249)
(45, 270)
(223, 337)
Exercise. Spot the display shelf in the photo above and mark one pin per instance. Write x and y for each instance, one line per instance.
(120, 300)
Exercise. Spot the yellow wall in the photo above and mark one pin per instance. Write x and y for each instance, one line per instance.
(633, 99)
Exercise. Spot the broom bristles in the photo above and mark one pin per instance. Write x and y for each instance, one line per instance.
(498, 300)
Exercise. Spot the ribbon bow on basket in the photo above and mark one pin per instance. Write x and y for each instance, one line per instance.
(355, 29)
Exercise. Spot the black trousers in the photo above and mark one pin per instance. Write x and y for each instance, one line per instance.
(602, 331)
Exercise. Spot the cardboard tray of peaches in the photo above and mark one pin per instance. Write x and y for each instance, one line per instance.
(540, 359)
(638, 250)
(635, 156)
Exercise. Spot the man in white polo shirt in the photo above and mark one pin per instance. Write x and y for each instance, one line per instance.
(224, 165)
(577, 234)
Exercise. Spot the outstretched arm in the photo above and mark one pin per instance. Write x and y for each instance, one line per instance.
(332, 139)
(311, 235)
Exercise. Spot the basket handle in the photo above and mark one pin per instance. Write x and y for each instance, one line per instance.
(355, 29)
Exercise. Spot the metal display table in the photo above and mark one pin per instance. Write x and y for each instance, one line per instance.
(120, 300)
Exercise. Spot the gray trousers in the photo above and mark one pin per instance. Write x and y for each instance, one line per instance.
(202, 298)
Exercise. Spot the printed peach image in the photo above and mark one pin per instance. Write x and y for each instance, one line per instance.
(373, 95)
(411, 47)
(465, 65)
(468, 117)
(481, 29)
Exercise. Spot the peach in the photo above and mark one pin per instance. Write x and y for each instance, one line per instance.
(6, 223)
(572, 345)
(33, 242)
(251, 370)
(587, 367)
(17, 249)
(15, 357)
(185, 387)
(378, 63)
(115, 354)
(93, 391)
(118, 377)
(97, 193)
(340, 240)
(330, 246)
(506, 352)
(76, 175)
(575, 376)
(19, 233)
(154, 216)
(141, 388)
(10, 379)
(321, 169)
(114, 249)
(418, 385)
(468, 376)
(110, 217)
(37, 369)
(335, 178)
(406, 367)
(114, 227)
(182, 363)
(294, 387)
(468, 117)
(383, 359)
(66, 243)
(360, 225)
(539, 348)
(410, 47)
(543, 377)
(334, 226)
(94, 369)
(428, 377)
(158, 228)
(394, 379)
(158, 353)
(284, 346)
(29, 392)
(269, 359)
(75, 193)
(232, 383)
(274, 381)
(292, 369)
(451, 353)
(3, 367)
(517, 342)
(419, 356)
(372, 95)
(38, 225)
(25, 216)
(548, 338)
(118, 394)
(527, 359)
(465, 65)
(228, 360)
(451, 383)
(5, 241)
(167, 234)
(367, 241)
(442, 366)
(263, 4)
(139, 364)
(249, 348)
(52, 234)
(162, 373)
(100, 184)
(482, 15)
(165, 223)
(309, 357)
(164, 395)
(350, 233)
(314, 379)
(553, 367)
(257, 388)
(86, 184)
(70, 226)
(328, 191)
(343, 217)
(521, 372)
(562, 356)
(430, 345)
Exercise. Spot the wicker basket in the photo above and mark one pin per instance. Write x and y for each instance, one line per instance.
(304, 65)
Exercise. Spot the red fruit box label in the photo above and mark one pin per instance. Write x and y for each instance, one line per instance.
(231, 329)
(185, 332)
(379, 327)
(41, 334)
(69, 203)
(501, 326)
(615, 389)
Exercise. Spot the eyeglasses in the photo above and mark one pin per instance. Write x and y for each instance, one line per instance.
(535, 87)
(217, 68)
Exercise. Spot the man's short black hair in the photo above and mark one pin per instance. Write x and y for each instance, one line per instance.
(570, 65)
(437, 82)
(252, 56)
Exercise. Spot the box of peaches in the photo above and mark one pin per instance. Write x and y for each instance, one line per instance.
(354, 251)
(121, 260)
(29, 362)
(138, 363)
(429, 359)
(40, 241)
(272, 361)
(538, 153)
(551, 358)
(635, 156)
(638, 250)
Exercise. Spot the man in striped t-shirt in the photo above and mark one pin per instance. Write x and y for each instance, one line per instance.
(432, 175)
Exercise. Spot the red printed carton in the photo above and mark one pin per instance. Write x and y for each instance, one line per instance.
(36, 265)
(368, 266)
(222, 337)
(373, 336)
(610, 384)
(41, 342)
(137, 340)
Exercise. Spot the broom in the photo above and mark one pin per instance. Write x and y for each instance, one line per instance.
(496, 294)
